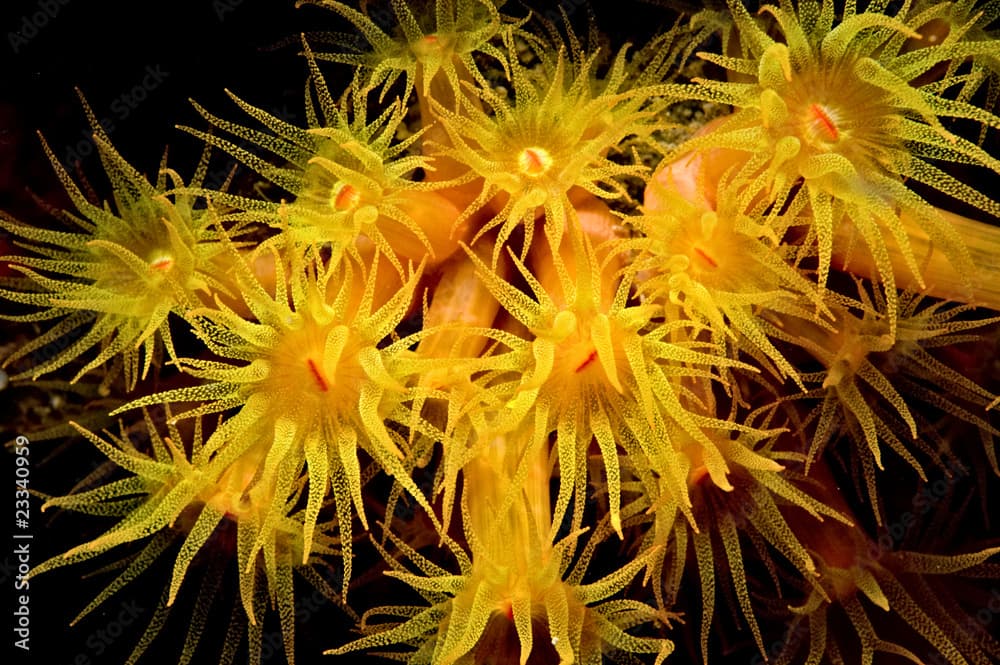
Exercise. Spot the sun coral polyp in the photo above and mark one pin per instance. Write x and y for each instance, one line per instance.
(833, 109)
(114, 282)
(518, 592)
(551, 138)
(316, 387)
(350, 184)
(719, 267)
(184, 497)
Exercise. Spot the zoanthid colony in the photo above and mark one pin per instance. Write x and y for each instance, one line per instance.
(513, 357)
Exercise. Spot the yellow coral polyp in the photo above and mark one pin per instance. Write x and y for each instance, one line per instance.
(838, 122)
(315, 389)
(126, 271)
(830, 110)
(434, 46)
(515, 583)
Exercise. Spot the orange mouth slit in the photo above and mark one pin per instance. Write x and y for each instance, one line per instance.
(320, 381)
(582, 366)
(347, 198)
(708, 259)
(825, 121)
(162, 265)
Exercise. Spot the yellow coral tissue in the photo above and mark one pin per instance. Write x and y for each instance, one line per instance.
(482, 332)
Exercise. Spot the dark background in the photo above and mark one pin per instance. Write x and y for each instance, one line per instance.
(138, 64)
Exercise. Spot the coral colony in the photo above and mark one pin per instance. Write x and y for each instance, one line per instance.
(668, 380)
